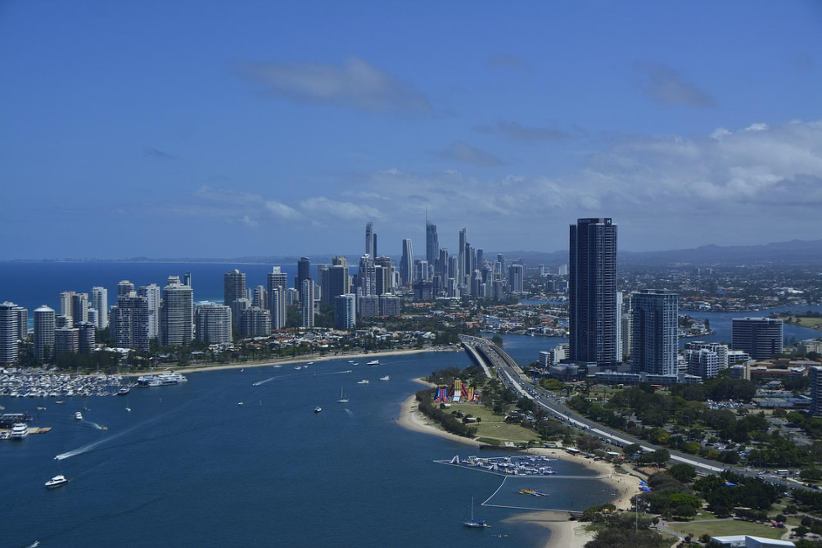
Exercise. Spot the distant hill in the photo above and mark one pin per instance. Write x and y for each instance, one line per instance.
(794, 252)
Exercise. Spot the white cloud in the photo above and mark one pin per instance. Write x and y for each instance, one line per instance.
(282, 211)
(321, 207)
(468, 154)
(354, 83)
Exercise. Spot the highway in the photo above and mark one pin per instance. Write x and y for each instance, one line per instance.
(509, 372)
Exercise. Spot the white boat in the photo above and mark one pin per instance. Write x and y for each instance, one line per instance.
(342, 399)
(373, 362)
(475, 524)
(78, 416)
(19, 430)
(56, 481)
(364, 381)
(385, 378)
(318, 410)
(310, 363)
(298, 368)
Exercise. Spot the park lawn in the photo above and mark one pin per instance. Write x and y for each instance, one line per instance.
(811, 322)
(494, 426)
(727, 527)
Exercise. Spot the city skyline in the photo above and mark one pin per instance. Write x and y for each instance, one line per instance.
(509, 138)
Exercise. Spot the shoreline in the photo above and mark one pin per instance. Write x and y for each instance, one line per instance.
(563, 533)
(291, 360)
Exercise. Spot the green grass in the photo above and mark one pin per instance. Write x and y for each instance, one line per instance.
(494, 426)
(810, 322)
(727, 527)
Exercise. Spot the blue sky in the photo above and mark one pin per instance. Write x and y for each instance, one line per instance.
(257, 128)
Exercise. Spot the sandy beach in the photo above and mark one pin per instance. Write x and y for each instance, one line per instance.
(564, 533)
(298, 359)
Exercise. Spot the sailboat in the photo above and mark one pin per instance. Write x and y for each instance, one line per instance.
(342, 399)
(475, 524)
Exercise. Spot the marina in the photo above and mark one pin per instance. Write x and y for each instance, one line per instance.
(41, 383)
(526, 465)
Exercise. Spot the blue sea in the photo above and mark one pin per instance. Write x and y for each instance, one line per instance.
(189, 466)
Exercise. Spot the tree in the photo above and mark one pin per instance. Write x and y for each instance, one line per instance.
(683, 472)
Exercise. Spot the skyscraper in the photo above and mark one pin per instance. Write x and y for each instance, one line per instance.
(87, 334)
(44, 318)
(307, 303)
(336, 282)
(460, 275)
(432, 242)
(66, 341)
(9, 331)
(99, 301)
(516, 277)
(214, 323)
(153, 295)
(276, 278)
(345, 311)
(367, 276)
(815, 376)
(655, 317)
(370, 240)
(233, 286)
(124, 287)
(260, 297)
(407, 264)
(176, 314)
(131, 321)
(277, 298)
(592, 291)
(256, 322)
(303, 272)
(761, 338)
(79, 307)
(66, 304)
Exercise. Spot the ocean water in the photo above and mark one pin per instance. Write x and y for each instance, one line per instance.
(188, 466)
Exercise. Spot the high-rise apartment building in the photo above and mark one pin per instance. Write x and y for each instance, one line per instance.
(9, 331)
(99, 301)
(655, 319)
(124, 287)
(66, 341)
(815, 376)
(87, 332)
(79, 307)
(460, 274)
(214, 322)
(153, 295)
(44, 319)
(592, 291)
(432, 242)
(131, 321)
(516, 276)
(702, 362)
(303, 272)
(176, 314)
(345, 311)
(277, 299)
(234, 286)
(307, 303)
(761, 338)
(407, 264)
(256, 322)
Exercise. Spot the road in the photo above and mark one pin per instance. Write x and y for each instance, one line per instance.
(509, 372)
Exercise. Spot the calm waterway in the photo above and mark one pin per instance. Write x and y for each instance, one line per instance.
(188, 466)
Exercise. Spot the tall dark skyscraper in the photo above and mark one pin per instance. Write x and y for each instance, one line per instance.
(432, 242)
(303, 272)
(761, 338)
(233, 286)
(370, 240)
(592, 291)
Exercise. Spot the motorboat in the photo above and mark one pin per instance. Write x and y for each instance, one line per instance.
(364, 381)
(78, 416)
(342, 399)
(56, 481)
(318, 410)
(19, 430)
(124, 391)
(385, 378)
(373, 362)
